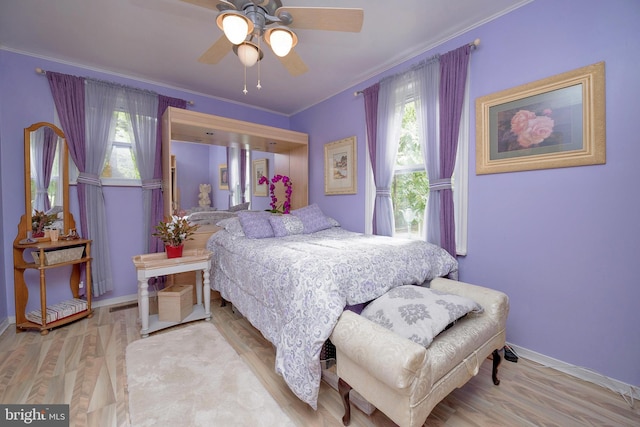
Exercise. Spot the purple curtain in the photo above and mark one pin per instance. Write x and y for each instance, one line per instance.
(48, 155)
(371, 116)
(157, 201)
(453, 76)
(68, 97)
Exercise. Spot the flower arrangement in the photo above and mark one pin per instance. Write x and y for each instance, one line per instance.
(175, 231)
(39, 220)
(530, 128)
(286, 206)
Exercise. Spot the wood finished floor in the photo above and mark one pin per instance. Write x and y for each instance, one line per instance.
(83, 364)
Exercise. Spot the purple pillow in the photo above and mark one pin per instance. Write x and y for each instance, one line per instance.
(286, 225)
(312, 219)
(255, 225)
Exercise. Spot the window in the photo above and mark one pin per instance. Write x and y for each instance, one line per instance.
(120, 167)
(410, 186)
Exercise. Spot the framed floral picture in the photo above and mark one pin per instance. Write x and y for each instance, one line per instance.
(340, 167)
(223, 177)
(259, 170)
(555, 122)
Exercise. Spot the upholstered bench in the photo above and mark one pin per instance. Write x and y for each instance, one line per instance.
(406, 380)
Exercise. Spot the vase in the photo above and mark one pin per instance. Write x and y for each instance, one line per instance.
(173, 251)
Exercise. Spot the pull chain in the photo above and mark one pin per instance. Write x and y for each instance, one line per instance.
(245, 91)
(259, 86)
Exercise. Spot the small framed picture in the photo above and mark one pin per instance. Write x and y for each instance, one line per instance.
(260, 170)
(223, 177)
(340, 167)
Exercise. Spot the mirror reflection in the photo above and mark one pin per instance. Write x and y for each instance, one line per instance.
(195, 164)
(45, 169)
(46, 180)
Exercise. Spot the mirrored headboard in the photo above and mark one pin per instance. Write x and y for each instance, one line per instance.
(290, 148)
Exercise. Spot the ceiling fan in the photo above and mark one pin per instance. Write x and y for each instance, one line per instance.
(245, 22)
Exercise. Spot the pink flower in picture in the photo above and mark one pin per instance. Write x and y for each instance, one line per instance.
(520, 121)
(539, 129)
(530, 128)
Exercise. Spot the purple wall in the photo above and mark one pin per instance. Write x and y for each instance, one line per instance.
(561, 243)
(25, 98)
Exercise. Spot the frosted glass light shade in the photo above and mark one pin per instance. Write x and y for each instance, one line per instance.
(248, 54)
(235, 27)
(281, 42)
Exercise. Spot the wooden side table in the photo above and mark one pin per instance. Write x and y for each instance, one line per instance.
(156, 265)
(43, 248)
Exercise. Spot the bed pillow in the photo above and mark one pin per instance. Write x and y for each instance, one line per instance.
(312, 219)
(256, 225)
(333, 222)
(232, 225)
(418, 313)
(286, 225)
(240, 207)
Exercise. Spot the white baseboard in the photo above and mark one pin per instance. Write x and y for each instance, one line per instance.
(626, 390)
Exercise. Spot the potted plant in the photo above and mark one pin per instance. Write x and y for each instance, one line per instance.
(39, 220)
(286, 205)
(173, 233)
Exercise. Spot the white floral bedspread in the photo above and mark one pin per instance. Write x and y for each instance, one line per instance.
(293, 289)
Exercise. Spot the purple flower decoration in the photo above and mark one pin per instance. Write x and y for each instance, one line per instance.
(286, 206)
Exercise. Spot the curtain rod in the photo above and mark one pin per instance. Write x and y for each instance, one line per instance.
(474, 45)
(44, 73)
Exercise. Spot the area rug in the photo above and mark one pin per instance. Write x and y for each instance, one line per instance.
(193, 377)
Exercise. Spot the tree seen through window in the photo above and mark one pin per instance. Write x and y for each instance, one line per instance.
(410, 186)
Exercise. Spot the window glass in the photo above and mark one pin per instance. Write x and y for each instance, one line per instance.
(121, 162)
(410, 186)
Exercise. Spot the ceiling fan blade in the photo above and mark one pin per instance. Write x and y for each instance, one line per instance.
(217, 51)
(325, 18)
(294, 64)
(212, 4)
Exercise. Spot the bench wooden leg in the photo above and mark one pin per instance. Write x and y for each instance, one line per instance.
(496, 361)
(344, 389)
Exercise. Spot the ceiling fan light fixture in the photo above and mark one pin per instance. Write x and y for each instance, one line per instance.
(248, 53)
(235, 25)
(281, 40)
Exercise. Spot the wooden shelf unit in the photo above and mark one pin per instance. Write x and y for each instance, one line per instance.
(20, 265)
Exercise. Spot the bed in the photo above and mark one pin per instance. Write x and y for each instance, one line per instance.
(294, 285)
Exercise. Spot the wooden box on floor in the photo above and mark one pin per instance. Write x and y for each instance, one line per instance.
(175, 303)
(153, 304)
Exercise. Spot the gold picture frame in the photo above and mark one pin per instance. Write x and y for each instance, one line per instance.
(555, 122)
(260, 169)
(223, 177)
(340, 167)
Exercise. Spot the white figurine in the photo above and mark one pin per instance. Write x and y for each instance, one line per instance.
(205, 201)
